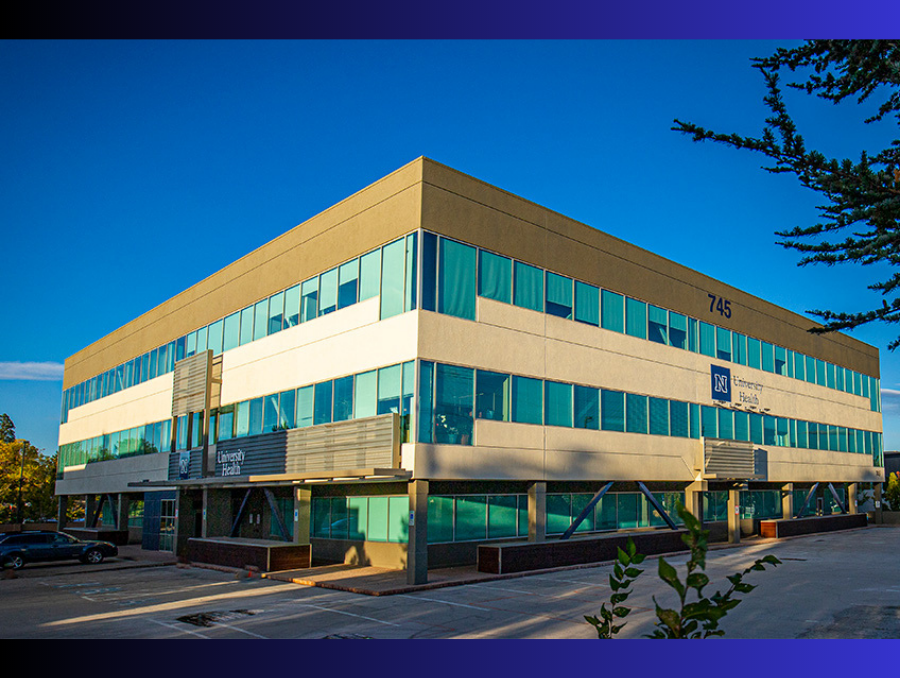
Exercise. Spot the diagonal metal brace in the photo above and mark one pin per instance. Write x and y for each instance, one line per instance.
(270, 497)
(812, 492)
(586, 512)
(837, 498)
(240, 514)
(656, 505)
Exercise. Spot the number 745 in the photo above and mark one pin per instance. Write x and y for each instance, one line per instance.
(723, 306)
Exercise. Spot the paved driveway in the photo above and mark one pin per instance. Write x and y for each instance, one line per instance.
(835, 585)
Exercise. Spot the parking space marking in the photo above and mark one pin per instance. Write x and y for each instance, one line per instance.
(349, 614)
(445, 602)
(179, 629)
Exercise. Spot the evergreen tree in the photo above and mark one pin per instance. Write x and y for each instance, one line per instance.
(7, 429)
(860, 214)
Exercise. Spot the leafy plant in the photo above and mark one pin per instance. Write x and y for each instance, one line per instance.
(892, 491)
(693, 618)
(622, 577)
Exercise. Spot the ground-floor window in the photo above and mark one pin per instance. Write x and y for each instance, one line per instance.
(384, 519)
(167, 525)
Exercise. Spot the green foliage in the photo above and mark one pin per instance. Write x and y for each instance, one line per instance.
(7, 429)
(37, 480)
(623, 575)
(693, 618)
(860, 214)
(699, 618)
(892, 491)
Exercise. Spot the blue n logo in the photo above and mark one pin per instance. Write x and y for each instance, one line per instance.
(721, 383)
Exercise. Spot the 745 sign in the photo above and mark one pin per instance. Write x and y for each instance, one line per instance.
(723, 306)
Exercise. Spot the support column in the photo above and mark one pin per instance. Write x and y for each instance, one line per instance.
(537, 511)
(787, 501)
(62, 510)
(694, 498)
(184, 520)
(121, 509)
(302, 513)
(852, 498)
(90, 508)
(734, 515)
(417, 550)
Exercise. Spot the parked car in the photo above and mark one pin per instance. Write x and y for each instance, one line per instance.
(18, 548)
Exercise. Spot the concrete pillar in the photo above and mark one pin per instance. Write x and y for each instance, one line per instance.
(217, 518)
(879, 519)
(537, 511)
(120, 511)
(417, 551)
(852, 497)
(734, 515)
(694, 498)
(62, 509)
(302, 513)
(90, 508)
(787, 501)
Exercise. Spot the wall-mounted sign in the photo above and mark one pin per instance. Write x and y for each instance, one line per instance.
(184, 465)
(230, 462)
(720, 378)
(748, 392)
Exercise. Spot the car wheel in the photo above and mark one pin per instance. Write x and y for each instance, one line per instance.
(94, 557)
(16, 561)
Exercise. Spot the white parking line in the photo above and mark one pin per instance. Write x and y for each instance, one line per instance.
(349, 614)
(179, 629)
(445, 602)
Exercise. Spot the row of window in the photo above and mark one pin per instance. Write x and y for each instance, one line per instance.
(388, 271)
(455, 273)
(384, 519)
(452, 397)
(379, 391)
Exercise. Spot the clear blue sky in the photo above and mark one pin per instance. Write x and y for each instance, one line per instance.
(132, 170)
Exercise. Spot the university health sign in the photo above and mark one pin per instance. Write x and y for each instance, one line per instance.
(720, 382)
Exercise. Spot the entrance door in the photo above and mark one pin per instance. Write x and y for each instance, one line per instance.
(167, 525)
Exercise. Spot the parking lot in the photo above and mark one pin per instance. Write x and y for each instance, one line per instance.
(838, 585)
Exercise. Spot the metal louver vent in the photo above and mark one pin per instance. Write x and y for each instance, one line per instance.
(728, 459)
(191, 384)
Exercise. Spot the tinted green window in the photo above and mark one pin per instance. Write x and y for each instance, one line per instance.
(389, 383)
(677, 330)
(723, 344)
(398, 519)
(726, 424)
(393, 258)
(738, 348)
(612, 410)
(502, 516)
(246, 325)
(440, 519)
(370, 275)
(429, 271)
(768, 357)
(456, 283)
(802, 439)
(557, 404)
(287, 404)
(242, 419)
(789, 361)
(709, 422)
(678, 417)
(628, 508)
(292, 307)
(214, 339)
(820, 373)
(813, 438)
(587, 303)
(226, 422)
(495, 277)
(612, 311)
(256, 417)
(693, 336)
(348, 283)
(411, 272)
(471, 517)
(366, 394)
(425, 427)
(659, 416)
(810, 369)
(309, 300)
(657, 324)
(741, 426)
(756, 428)
(321, 517)
(343, 398)
(528, 289)
(377, 528)
(453, 404)
(323, 395)
(587, 407)
(305, 406)
(708, 339)
(839, 378)
(635, 413)
(270, 413)
(527, 400)
(260, 319)
(605, 513)
(276, 312)
(492, 395)
(635, 318)
(753, 352)
(357, 517)
(328, 291)
(558, 513)
(232, 333)
(559, 296)
(800, 366)
(780, 361)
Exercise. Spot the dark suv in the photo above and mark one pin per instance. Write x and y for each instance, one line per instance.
(18, 548)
